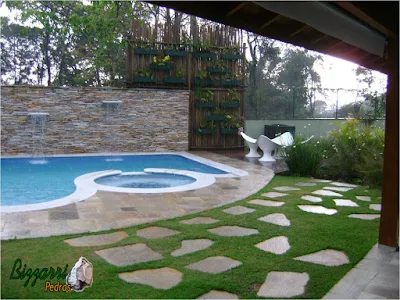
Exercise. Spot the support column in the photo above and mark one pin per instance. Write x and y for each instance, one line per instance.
(388, 229)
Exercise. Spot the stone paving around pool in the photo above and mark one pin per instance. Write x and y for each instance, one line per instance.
(276, 284)
(107, 210)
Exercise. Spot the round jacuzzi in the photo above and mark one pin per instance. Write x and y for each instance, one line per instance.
(145, 180)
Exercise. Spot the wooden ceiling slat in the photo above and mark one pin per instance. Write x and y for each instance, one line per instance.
(265, 25)
(230, 13)
(299, 30)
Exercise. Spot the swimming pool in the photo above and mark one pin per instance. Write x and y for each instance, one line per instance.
(28, 183)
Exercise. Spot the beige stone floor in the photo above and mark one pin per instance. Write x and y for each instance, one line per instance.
(107, 210)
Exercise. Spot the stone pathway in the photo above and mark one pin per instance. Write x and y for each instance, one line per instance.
(238, 210)
(283, 285)
(327, 257)
(190, 246)
(275, 245)
(376, 207)
(306, 184)
(364, 216)
(155, 232)
(326, 193)
(320, 180)
(213, 294)
(344, 184)
(266, 202)
(273, 195)
(317, 209)
(345, 202)
(200, 220)
(311, 198)
(214, 265)
(277, 219)
(97, 240)
(286, 188)
(233, 231)
(129, 255)
(337, 189)
(364, 198)
(163, 278)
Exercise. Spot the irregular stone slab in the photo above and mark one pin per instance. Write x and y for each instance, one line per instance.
(375, 207)
(97, 240)
(283, 285)
(320, 180)
(327, 257)
(214, 265)
(155, 232)
(238, 210)
(317, 209)
(311, 198)
(266, 202)
(364, 216)
(345, 202)
(344, 184)
(277, 219)
(162, 279)
(326, 193)
(233, 231)
(214, 294)
(337, 188)
(129, 255)
(190, 246)
(364, 198)
(276, 245)
(200, 220)
(286, 188)
(273, 195)
(306, 184)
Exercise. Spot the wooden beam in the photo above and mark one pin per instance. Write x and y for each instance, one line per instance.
(299, 30)
(265, 25)
(335, 45)
(389, 223)
(231, 12)
(364, 17)
(319, 39)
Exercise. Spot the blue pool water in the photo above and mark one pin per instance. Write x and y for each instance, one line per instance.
(25, 183)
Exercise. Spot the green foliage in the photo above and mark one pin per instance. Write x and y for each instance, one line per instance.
(145, 72)
(202, 74)
(208, 124)
(161, 61)
(232, 95)
(233, 121)
(204, 95)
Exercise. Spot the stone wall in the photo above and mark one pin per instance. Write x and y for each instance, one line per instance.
(148, 120)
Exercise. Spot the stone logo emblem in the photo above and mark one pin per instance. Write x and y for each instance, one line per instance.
(81, 275)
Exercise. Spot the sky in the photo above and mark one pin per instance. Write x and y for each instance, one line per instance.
(334, 72)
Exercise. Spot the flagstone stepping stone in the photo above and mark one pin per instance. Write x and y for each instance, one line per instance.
(320, 180)
(200, 220)
(190, 246)
(277, 219)
(266, 202)
(327, 257)
(283, 285)
(365, 216)
(317, 209)
(155, 232)
(214, 264)
(311, 198)
(375, 207)
(214, 294)
(344, 184)
(275, 245)
(273, 195)
(162, 278)
(238, 210)
(306, 184)
(345, 202)
(337, 188)
(97, 240)
(364, 198)
(326, 193)
(286, 188)
(233, 231)
(129, 255)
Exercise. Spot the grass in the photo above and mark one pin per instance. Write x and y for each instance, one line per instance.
(308, 233)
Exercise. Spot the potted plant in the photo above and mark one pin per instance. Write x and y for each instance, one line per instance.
(217, 115)
(177, 78)
(232, 99)
(203, 50)
(231, 124)
(202, 79)
(171, 50)
(161, 63)
(232, 53)
(146, 48)
(207, 127)
(144, 75)
(218, 66)
(231, 80)
(204, 98)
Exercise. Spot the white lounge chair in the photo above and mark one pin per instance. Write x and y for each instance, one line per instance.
(284, 140)
(252, 143)
(267, 145)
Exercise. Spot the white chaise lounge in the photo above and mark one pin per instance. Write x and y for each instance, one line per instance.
(252, 143)
(267, 145)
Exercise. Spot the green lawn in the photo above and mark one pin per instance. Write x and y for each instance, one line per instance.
(308, 233)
